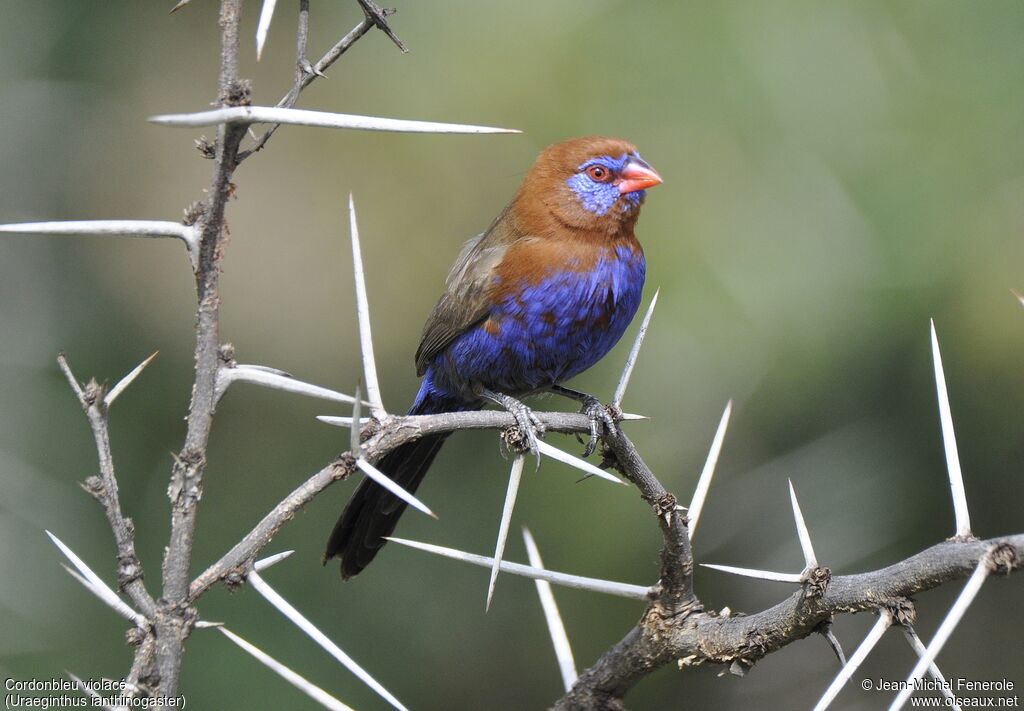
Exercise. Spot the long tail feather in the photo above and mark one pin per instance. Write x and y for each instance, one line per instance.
(372, 512)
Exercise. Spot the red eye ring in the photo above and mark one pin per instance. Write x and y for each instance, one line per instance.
(599, 174)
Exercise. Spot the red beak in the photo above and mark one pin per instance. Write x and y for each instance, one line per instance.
(637, 175)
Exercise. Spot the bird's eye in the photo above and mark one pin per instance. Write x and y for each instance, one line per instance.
(599, 174)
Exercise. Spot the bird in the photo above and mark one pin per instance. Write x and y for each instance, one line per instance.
(538, 297)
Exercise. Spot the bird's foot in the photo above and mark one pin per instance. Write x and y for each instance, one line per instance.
(528, 425)
(595, 412)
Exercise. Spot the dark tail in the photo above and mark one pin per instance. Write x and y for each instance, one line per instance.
(372, 512)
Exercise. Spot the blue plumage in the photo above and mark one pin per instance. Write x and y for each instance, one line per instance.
(547, 332)
(599, 197)
(538, 298)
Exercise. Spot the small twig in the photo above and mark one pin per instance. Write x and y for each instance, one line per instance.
(825, 630)
(306, 73)
(378, 16)
(104, 488)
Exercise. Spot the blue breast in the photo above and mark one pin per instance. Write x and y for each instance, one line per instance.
(547, 332)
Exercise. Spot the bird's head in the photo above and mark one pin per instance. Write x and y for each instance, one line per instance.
(593, 184)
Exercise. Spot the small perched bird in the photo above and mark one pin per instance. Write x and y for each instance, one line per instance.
(539, 297)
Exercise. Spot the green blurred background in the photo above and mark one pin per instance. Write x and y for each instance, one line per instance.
(835, 174)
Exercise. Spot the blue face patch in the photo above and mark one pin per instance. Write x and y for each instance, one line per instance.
(597, 197)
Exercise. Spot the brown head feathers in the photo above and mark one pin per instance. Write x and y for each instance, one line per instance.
(589, 185)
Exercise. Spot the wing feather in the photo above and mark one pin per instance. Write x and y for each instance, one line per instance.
(466, 300)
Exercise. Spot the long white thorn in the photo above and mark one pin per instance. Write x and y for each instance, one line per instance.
(97, 699)
(94, 584)
(700, 494)
(956, 479)
(275, 380)
(115, 228)
(108, 597)
(266, 15)
(620, 390)
(385, 481)
(956, 613)
(810, 560)
(556, 628)
(933, 669)
(301, 683)
(574, 461)
(318, 119)
(636, 592)
(271, 560)
(355, 435)
(127, 380)
(363, 313)
(514, 477)
(336, 421)
(874, 634)
(629, 416)
(753, 573)
(299, 620)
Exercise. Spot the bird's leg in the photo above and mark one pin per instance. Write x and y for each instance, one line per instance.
(529, 424)
(593, 409)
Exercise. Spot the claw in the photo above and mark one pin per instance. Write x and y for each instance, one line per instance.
(596, 412)
(529, 425)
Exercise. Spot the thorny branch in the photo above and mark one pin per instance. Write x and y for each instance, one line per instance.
(104, 489)
(306, 73)
(674, 626)
(173, 618)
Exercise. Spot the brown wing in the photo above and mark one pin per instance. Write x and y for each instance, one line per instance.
(465, 301)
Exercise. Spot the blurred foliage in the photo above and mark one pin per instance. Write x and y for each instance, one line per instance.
(835, 174)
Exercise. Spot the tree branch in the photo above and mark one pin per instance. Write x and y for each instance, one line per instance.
(381, 438)
(706, 637)
(306, 73)
(174, 618)
(103, 488)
